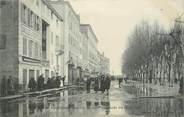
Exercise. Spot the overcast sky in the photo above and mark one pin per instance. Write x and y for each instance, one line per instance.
(113, 20)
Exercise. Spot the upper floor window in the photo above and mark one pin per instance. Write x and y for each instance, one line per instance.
(25, 46)
(3, 3)
(32, 19)
(3, 39)
(37, 3)
(38, 23)
(36, 50)
(24, 13)
(29, 18)
(57, 41)
(30, 48)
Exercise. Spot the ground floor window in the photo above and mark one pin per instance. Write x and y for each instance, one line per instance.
(31, 74)
(52, 74)
(37, 74)
(24, 71)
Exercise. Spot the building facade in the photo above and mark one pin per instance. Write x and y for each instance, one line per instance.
(72, 37)
(92, 43)
(28, 47)
(104, 64)
(46, 37)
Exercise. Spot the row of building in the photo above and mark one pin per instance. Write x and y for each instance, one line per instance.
(46, 37)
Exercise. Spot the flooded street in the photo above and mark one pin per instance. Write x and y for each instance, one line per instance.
(121, 102)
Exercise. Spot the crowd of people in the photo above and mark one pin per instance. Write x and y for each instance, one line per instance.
(39, 85)
(100, 84)
(9, 86)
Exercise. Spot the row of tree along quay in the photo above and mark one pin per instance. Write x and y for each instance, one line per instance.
(155, 55)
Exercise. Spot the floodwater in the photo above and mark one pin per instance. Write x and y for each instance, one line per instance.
(121, 102)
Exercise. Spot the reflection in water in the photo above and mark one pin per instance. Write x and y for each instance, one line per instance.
(7, 107)
(40, 106)
(96, 104)
(153, 107)
(106, 106)
(32, 107)
(88, 104)
(140, 90)
(74, 105)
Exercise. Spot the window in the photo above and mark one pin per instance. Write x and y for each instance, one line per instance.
(35, 22)
(3, 2)
(46, 75)
(3, 39)
(37, 73)
(37, 3)
(31, 74)
(24, 74)
(25, 46)
(57, 41)
(30, 48)
(36, 50)
(32, 20)
(24, 79)
(29, 18)
(24, 14)
(52, 74)
(38, 23)
(48, 12)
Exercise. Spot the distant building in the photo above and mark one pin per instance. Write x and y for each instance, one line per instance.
(85, 62)
(73, 54)
(104, 64)
(87, 30)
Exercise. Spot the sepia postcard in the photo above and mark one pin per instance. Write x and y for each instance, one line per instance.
(91, 58)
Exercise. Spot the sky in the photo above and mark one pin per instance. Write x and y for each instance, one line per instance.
(114, 20)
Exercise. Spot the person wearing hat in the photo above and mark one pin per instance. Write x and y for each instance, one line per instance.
(102, 83)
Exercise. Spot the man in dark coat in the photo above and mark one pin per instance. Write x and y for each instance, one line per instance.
(102, 84)
(58, 82)
(107, 84)
(49, 83)
(88, 85)
(96, 85)
(10, 85)
(4, 86)
(120, 80)
(53, 82)
(63, 79)
(181, 86)
(32, 84)
(40, 82)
